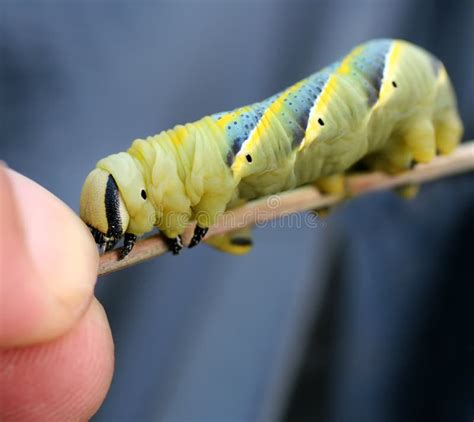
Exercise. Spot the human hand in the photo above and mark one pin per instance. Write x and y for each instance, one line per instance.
(56, 349)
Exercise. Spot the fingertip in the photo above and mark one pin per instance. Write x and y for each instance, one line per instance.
(65, 379)
(50, 259)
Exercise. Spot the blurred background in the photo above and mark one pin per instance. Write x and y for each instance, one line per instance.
(367, 317)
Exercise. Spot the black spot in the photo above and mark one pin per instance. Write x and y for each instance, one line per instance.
(112, 208)
(143, 193)
(249, 158)
(394, 84)
(320, 121)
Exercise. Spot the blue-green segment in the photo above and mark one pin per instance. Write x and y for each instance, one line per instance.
(297, 108)
(367, 67)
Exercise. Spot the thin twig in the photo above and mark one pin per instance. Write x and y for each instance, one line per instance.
(301, 199)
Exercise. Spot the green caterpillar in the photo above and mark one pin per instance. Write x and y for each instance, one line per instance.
(388, 102)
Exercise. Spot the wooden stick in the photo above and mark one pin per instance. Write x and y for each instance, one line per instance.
(301, 199)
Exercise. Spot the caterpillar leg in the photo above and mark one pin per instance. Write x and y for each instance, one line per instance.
(419, 137)
(407, 191)
(334, 184)
(128, 244)
(396, 158)
(448, 131)
(199, 233)
(206, 212)
(420, 145)
(416, 143)
(238, 242)
(175, 244)
(110, 244)
(323, 212)
(399, 158)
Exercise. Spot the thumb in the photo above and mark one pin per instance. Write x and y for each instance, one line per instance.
(48, 263)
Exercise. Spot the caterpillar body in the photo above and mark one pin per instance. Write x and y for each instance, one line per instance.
(388, 102)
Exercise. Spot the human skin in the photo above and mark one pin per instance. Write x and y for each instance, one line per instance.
(56, 348)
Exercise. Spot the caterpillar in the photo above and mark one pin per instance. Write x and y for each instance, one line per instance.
(388, 104)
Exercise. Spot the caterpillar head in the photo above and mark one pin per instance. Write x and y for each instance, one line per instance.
(114, 200)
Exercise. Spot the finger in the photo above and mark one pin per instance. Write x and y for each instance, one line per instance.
(62, 380)
(48, 263)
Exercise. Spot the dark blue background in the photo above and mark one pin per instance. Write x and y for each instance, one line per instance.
(366, 317)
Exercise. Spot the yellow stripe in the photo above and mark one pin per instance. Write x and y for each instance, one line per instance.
(322, 102)
(394, 54)
(232, 115)
(225, 120)
(278, 104)
(391, 62)
(345, 67)
(321, 106)
(274, 108)
(263, 126)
